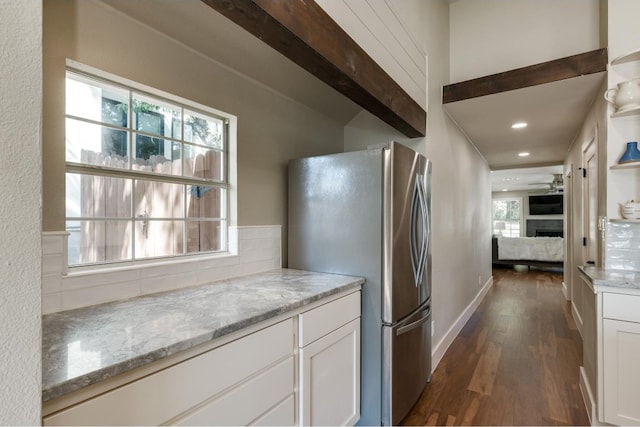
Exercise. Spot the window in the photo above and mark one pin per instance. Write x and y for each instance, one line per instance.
(506, 217)
(146, 176)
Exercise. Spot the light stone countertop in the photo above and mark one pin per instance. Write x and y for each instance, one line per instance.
(87, 345)
(607, 280)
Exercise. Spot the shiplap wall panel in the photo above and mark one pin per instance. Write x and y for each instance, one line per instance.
(377, 29)
(407, 42)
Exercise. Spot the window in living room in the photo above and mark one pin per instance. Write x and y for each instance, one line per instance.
(146, 173)
(507, 216)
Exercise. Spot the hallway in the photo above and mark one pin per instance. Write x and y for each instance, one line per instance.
(514, 363)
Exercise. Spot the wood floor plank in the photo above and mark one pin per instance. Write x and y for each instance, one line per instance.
(469, 410)
(556, 403)
(515, 362)
(485, 373)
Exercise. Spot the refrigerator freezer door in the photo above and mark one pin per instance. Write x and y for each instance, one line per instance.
(407, 362)
(406, 233)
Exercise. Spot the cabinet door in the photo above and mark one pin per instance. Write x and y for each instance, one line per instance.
(621, 370)
(330, 378)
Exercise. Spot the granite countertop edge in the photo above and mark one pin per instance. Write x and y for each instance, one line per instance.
(608, 280)
(62, 388)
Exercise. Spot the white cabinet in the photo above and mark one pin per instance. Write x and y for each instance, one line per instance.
(330, 364)
(208, 389)
(621, 359)
(251, 380)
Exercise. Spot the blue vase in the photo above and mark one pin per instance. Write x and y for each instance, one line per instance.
(632, 154)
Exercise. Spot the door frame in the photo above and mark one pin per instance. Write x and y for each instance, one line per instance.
(590, 199)
(569, 233)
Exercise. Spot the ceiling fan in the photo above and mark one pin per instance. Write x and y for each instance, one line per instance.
(555, 187)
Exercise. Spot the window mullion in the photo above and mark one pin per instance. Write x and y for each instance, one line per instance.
(85, 169)
(185, 228)
(132, 220)
(100, 142)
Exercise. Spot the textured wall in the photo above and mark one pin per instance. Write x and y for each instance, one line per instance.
(20, 211)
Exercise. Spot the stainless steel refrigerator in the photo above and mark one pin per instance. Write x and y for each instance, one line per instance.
(367, 213)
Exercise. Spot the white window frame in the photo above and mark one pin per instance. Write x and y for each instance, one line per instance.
(231, 247)
(507, 197)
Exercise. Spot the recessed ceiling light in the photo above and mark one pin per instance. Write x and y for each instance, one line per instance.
(519, 125)
(523, 154)
(504, 189)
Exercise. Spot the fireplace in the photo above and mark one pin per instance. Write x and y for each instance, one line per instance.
(549, 233)
(544, 228)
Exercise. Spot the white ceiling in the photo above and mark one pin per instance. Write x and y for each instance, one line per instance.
(554, 113)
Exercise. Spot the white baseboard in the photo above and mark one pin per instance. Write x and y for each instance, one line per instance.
(587, 396)
(441, 347)
(576, 317)
(565, 291)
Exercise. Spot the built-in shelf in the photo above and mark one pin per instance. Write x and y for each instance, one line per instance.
(627, 57)
(630, 165)
(627, 112)
(621, 220)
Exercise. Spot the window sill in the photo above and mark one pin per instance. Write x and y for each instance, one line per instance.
(79, 271)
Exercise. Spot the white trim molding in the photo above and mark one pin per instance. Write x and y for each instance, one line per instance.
(441, 347)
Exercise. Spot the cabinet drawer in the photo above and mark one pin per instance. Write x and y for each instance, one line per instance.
(621, 307)
(248, 401)
(283, 414)
(320, 321)
(163, 396)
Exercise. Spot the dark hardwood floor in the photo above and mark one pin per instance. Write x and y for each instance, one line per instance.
(514, 363)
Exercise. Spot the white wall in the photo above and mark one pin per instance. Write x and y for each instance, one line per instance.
(461, 187)
(492, 36)
(593, 127)
(20, 211)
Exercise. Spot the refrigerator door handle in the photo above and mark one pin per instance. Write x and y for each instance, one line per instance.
(412, 232)
(422, 260)
(416, 253)
(416, 324)
(426, 229)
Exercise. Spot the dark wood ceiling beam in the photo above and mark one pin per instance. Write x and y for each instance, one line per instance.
(306, 34)
(546, 72)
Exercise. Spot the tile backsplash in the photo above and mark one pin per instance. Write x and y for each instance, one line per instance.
(254, 250)
(622, 246)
